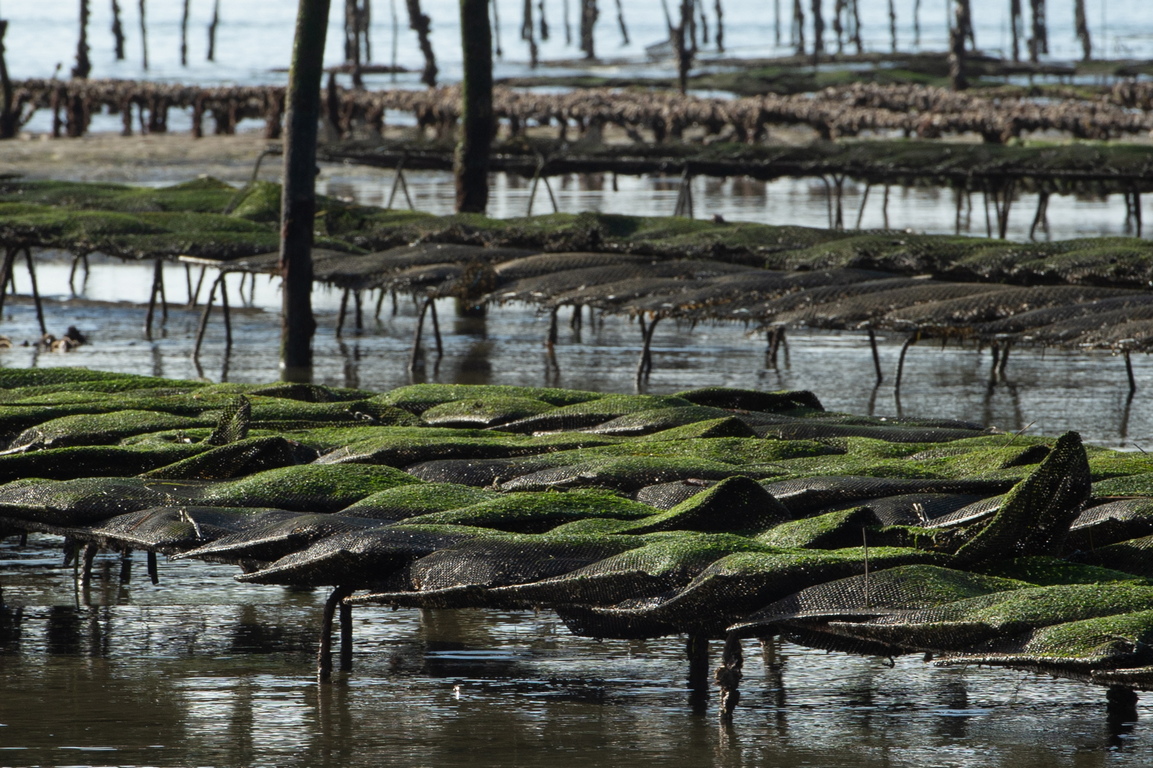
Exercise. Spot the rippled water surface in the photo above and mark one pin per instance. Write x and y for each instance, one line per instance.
(200, 670)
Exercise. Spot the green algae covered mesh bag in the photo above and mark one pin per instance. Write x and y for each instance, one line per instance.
(1036, 514)
(175, 529)
(973, 623)
(82, 501)
(1101, 645)
(732, 588)
(1111, 523)
(540, 512)
(97, 429)
(276, 533)
(368, 558)
(1134, 556)
(304, 488)
(807, 496)
(455, 577)
(879, 593)
(483, 412)
(629, 474)
(591, 413)
(658, 564)
(668, 495)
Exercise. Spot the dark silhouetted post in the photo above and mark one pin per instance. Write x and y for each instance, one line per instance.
(682, 44)
(797, 30)
(818, 31)
(1015, 22)
(421, 24)
(589, 15)
(9, 117)
(117, 31)
(143, 36)
(961, 22)
(298, 201)
(184, 35)
(83, 65)
(212, 31)
(1081, 24)
(1039, 41)
(477, 125)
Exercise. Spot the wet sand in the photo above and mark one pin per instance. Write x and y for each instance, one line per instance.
(150, 158)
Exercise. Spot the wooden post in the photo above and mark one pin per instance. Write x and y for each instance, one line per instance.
(117, 31)
(588, 22)
(1081, 24)
(697, 650)
(420, 23)
(957, 35)
(212, 31)
(470, 163)
(184, 35)
(83, 65)
(683, 46)
(143, 37)
(298, 201)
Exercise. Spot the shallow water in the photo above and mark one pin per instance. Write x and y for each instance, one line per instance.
(200, 670)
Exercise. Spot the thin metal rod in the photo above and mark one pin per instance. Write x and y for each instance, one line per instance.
(901, 362)
(341, 313)
(876, 356)
(152, 299)
(324, 651)
(226, 311)
(415, 356)
(35, 290)
(204, 319)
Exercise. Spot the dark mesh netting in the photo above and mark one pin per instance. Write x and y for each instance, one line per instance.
(984, 308)
(175, 529)
(276, 533)
(973, 621)
(460, 576)
(369, 558)
(804, 496)
(856, 310)
(1110, 523)
(732, 587)
(550, 263)
(1091, 647)
(904, 588)
(660, 564)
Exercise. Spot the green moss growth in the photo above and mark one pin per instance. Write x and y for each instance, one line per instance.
(418, 398)
(539, 512)
(307, 488)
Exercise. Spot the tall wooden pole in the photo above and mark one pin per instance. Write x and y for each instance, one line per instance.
(9, 115)
(298, 201)
(477, 124)
(117, 31)
(83, 66)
